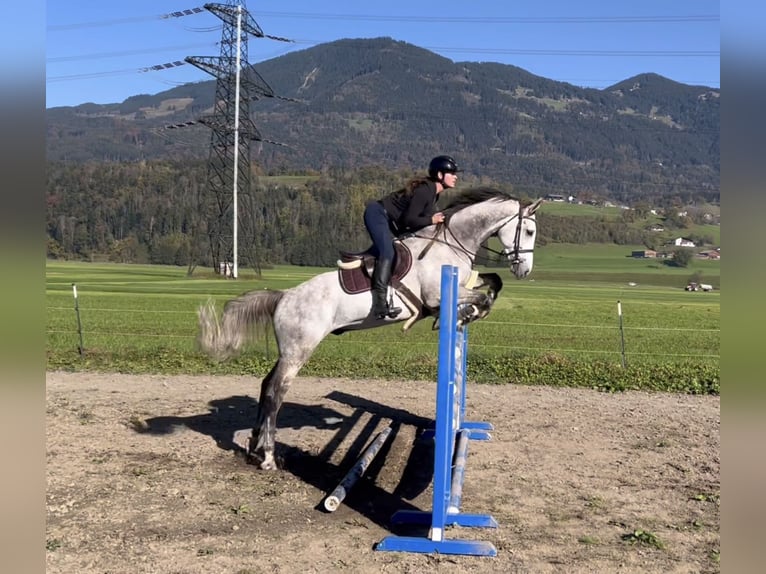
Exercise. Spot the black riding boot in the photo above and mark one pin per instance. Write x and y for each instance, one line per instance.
(381, 276)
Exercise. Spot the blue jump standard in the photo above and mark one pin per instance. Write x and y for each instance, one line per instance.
(451, 449)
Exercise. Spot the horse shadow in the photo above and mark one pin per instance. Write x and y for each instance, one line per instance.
(226, 416)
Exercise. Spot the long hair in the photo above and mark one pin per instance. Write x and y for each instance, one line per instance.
(410, 186)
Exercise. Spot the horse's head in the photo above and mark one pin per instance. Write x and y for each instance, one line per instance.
(518, 239)
(476, 214)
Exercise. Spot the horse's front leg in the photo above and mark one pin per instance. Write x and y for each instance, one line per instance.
(493, 282)
(472, 305)
(494, 285)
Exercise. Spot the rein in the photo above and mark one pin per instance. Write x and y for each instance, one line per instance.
(433, 239)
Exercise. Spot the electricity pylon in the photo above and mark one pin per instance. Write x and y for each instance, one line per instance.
(230, 230)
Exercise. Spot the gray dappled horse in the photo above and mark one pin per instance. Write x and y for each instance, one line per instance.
(305, 314)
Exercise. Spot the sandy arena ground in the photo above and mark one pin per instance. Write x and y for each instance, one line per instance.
(143, 477)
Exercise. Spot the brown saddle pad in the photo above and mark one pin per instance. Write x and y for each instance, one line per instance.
(359, 279)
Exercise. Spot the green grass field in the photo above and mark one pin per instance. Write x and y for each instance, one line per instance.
(612, 213)
(576, 209)
(613, 265)
(559, 327)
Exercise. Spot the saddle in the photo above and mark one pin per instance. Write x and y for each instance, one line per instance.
(355, 268)
(355, 276)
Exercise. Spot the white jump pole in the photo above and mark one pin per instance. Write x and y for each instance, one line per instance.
(332, 502)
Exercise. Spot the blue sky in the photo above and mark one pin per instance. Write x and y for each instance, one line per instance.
(98, 51)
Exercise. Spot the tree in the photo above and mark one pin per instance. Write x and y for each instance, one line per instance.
(128, 250)
(682, 257)
(54, 250)
(642, 209)
(170, 249)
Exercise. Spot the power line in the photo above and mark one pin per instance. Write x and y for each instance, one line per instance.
(689, 18)
(153, 68)
(558, 53)
(607, 83)
(530, 52)
(575, 20)
(620, 53)
(91, 75)
(498, 20)
(117, 21)
(103, 55)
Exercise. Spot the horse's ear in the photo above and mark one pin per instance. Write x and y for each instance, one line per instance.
(532, 208)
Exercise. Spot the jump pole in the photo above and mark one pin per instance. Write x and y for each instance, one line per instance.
(451, 448)
(333, 500)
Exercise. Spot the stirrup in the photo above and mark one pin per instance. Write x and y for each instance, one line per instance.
(392, 311)
(389, 313)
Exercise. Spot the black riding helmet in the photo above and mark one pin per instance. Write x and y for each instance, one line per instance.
(444, 164)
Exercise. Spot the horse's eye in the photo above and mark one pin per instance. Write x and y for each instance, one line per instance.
(530, 232)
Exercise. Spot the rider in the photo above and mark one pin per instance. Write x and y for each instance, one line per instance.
(404, 211)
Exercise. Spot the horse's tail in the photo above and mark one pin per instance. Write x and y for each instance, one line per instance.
(245, 318)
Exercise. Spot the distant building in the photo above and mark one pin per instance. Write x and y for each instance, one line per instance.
(644, 254)
(682, 242)
(554, 197)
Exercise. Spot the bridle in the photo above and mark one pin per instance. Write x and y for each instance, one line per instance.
(513, 255)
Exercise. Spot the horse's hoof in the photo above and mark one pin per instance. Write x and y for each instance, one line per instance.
(269, 463)
(467, 313)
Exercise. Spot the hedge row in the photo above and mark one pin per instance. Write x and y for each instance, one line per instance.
(522, 369)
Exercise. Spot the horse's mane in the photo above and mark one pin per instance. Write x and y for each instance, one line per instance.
(475, 195)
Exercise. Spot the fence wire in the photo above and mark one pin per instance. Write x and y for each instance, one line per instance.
(477, 345)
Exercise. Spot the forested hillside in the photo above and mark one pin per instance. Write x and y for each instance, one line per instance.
(145, 212)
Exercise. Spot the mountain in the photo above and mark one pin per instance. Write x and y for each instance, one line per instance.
(384, 102)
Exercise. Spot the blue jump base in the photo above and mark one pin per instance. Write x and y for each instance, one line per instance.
(452, 435)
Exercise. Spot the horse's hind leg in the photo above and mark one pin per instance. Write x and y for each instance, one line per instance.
(273, 390)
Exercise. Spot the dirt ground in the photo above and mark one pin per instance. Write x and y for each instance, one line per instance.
(143, 476)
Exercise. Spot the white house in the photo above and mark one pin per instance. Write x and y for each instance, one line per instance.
(682, 242)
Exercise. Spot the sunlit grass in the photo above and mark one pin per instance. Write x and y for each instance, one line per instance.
(144, 308)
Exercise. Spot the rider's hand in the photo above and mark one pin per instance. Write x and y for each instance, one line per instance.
(437, 217)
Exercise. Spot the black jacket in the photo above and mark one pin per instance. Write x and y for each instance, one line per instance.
(411, 212)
